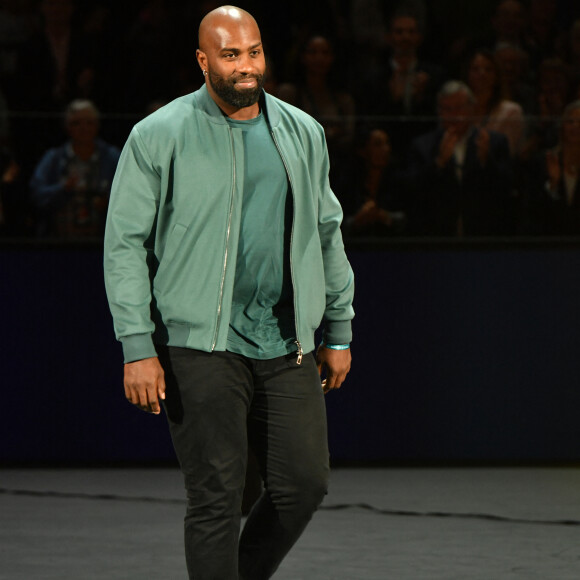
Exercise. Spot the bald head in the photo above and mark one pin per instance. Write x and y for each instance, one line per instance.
(231, 56)
(222, 20)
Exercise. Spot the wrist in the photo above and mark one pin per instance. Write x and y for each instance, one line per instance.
(335, 346)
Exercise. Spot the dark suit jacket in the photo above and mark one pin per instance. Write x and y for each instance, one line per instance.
(37, 72)
(544, 212)
(482, 198)
(402, 125)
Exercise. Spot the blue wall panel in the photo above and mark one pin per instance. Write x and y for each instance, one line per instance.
(460, 354)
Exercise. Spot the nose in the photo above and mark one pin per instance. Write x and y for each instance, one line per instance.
(245, 64)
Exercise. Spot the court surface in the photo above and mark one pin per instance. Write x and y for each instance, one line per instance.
(375, 524)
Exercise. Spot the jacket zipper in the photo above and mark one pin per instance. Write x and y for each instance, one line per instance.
(221, 292)
(300, 352)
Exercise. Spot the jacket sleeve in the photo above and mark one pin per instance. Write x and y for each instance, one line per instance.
(128, 250)
(338, 274)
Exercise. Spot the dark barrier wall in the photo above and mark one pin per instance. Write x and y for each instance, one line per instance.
(461, 353)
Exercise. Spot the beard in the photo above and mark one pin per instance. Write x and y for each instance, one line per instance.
(226, 90)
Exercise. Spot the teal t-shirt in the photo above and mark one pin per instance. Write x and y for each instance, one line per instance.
(262, 320)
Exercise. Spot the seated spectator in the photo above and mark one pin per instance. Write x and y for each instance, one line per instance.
(369, 36)
(371, 194)
(150, 61)
(317, 93)
(71, 184)
(408, 86)
(513, 63)
(17, 23)
(509, 24)
(542, 27)
(509, 27)
(554, 92)
(100, 27)
(57, 64)
(460, 174)
(492, 110)
(552, 192)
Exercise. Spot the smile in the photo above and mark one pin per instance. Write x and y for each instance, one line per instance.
(249, 83)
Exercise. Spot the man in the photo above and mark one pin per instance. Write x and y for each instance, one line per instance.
(408, 84)
(57, 63)
(222, 255)
(461, 175)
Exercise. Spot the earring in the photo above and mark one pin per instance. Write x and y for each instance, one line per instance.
(204, 73)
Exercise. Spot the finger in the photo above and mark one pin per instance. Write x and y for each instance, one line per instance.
(331, 381)
(161, 388)
(142, 402)
(128, 392)
(338, 378)
(153, 401)
(133, 395)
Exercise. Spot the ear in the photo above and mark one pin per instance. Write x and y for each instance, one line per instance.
(201, 59)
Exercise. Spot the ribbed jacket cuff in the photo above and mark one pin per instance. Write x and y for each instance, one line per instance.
(337, 331)
(137, 347)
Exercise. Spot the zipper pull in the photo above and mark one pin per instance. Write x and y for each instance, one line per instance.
(300, 353)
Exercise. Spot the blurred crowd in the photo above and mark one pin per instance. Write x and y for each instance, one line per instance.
(442, 118)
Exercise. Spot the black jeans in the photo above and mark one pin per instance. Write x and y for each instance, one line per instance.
(218, 403)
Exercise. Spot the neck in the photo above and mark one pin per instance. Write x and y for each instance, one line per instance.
(373, 178)
(483, 99)
(404, 61)
(244, 114)
(84, 151)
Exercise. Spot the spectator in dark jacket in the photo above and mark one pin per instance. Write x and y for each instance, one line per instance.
(460, 175)
(552, 184)
(406, 93)
(371, 194)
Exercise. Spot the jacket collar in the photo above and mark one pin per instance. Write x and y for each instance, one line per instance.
(215, 115)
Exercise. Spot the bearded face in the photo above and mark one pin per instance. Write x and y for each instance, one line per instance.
(226, 89)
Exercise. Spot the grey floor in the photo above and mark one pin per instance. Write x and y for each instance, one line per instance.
(375, 524)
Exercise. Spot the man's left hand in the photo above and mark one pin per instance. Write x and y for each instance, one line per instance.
(336, 363)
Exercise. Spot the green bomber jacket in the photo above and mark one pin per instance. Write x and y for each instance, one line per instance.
(174, 219)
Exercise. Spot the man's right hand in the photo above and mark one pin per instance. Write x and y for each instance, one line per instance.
(145, 384)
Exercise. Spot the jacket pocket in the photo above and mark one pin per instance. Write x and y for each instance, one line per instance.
(171, 248)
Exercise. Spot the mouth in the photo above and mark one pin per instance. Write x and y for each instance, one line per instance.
(246, 83)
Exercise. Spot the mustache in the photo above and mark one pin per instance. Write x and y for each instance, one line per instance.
(245, 77)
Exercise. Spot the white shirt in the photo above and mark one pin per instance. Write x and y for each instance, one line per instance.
(459, 154)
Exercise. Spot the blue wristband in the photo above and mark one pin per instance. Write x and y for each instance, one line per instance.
(336, 346)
